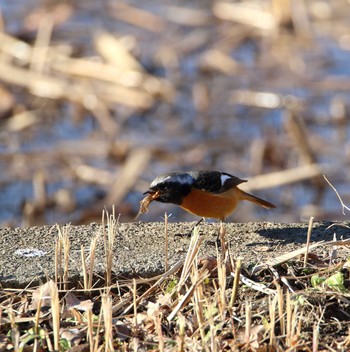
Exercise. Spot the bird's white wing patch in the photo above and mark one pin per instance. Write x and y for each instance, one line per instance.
(223, 178)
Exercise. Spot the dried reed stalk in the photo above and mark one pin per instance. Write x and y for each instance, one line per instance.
(83, 264)
(166, 243)
(272, 262)
(109, 239)
(309, 231)
(187, 297)
(92, 261)
(248, 322)
(39, 302)
(154, 287)
(114, 51)
(181, 323)
(272, 314)
(41, 45)
(245, 14)
(191, 254)
(235, 287)
(158, 326)
(295, 125)
(133, 167)
(138, 81)
(281, 313)
(284, 177)
(90, 330)
(22, 121)
(315, 338)
(134, 296)
(62, 246)
(222, 284)
(58, 263)
(197, 299)
(222, 236)
(66, 250)
(138, 17)
(107, 321)
(55, 311)
(256, 286)
(52, 87)
(198, 308)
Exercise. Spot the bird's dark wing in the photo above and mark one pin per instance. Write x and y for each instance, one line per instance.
(214, 181)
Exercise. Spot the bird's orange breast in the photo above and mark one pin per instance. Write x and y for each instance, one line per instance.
(210, 205)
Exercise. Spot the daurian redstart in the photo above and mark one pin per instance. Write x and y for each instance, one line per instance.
(209, 194)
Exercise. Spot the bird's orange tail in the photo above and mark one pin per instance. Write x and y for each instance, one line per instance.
(256, 200)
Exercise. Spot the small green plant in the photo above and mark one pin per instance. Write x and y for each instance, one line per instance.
(65, 345)
(334, 282)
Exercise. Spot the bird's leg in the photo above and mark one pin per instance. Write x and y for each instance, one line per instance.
(189, 234)
(197, 223)
(221, 237)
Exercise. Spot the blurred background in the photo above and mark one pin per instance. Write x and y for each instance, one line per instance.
(99, 97)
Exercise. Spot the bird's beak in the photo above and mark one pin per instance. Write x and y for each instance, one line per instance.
(152, 193)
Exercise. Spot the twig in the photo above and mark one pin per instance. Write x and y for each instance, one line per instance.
(187, 295)
(336, 192)
(161, 279)
(254, 285)
(286, 282)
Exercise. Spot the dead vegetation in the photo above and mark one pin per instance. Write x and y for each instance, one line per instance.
(198, 304)
(98, 98)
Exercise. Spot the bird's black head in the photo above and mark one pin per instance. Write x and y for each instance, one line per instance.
(171, 187)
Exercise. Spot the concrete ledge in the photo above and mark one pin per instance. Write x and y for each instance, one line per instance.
(139, 247)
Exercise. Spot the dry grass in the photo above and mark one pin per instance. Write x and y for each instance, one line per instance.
(209, 304)
(104, 99)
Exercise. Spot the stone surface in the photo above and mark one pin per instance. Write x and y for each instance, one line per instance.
(28, 254)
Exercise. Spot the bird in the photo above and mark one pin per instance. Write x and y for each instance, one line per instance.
(205, 193)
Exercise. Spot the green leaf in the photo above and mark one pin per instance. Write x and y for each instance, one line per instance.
(306, 271)
(171, 285)
(299, 300)
(336, 282)
(65, 345)
(317, 281)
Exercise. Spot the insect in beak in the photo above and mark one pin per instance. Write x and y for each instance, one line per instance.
(145, 202)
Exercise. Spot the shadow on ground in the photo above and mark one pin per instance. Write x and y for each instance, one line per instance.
(297, 233)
